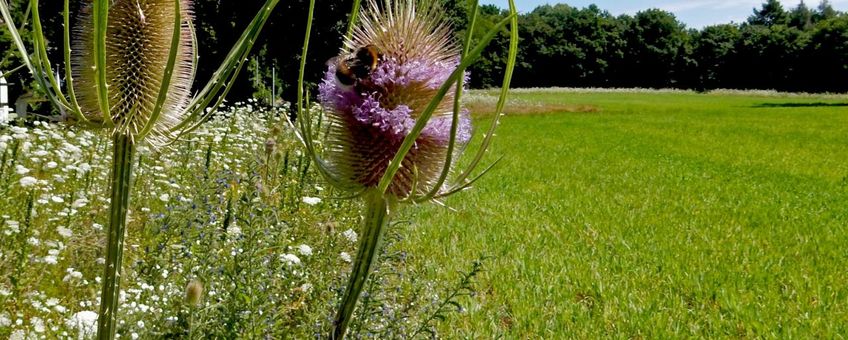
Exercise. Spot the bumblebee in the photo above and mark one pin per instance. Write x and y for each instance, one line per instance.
(357, 66)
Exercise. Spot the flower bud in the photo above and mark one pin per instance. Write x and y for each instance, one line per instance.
(194, 293)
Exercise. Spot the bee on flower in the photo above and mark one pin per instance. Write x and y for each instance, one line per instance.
(376, 89)
(396, 123)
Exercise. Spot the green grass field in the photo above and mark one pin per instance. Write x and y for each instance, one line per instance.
(654, 215)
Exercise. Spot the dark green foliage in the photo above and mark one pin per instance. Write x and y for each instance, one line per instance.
(827, 54)
(801, 49)
(716, 47)
(772, 13)
(801, 17)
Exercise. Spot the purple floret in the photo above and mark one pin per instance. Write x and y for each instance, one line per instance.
(431, 74)
(397, 122)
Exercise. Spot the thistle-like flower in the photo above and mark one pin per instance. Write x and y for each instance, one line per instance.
(387, 74)
(396, 121)
(194, 293)
(133, 62)
(138, 47)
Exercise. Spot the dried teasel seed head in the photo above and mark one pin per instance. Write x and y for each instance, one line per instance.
(370, 118)
(194, 293)
(138, 44)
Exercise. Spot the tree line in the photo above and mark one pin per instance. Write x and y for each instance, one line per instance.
(798, 49)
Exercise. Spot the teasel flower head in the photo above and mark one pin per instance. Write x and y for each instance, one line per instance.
(387, 73)
(138, 46)
(194, 293)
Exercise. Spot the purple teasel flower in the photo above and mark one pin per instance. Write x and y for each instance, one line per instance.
(415, 55)
(395, 125)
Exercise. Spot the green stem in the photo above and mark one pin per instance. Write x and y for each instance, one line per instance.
(354, 16)
(191, 323)
(122, 166)
(375, 221)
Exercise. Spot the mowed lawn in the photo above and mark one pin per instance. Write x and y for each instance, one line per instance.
(656, 215)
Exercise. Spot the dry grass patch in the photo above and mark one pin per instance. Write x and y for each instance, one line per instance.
(483, 105)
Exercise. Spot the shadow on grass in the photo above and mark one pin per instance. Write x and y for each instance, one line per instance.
(773, 105)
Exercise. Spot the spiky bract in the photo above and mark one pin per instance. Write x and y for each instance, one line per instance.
(138, 44)
(371, 119)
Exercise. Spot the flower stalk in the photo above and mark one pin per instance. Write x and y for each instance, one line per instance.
(122, 172)
(375, 220)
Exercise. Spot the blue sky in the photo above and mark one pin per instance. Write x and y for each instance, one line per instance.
(694, 13)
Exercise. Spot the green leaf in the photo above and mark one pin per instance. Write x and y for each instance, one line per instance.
(101, 23)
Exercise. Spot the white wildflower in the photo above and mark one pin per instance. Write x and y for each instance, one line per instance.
(234, 230)
(21, 170)
(64, 232)
(28, 181)
(37, 324)
(17, 335)
(290, 258)
(50, 259)
(165, 198)
(304, 250)
(350, 235)
(12, 227)
(311, 200)
(345, 257)
(79, 203)
(83, 322)
(73, 274)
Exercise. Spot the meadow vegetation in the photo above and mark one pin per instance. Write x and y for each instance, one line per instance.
(664, 214)
(653, 214)
(235, 208)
